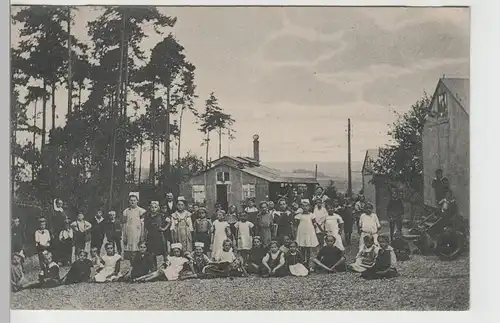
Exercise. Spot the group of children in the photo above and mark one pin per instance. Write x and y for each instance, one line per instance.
(262, 241)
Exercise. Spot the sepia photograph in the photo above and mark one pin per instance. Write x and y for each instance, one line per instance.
(234, 158)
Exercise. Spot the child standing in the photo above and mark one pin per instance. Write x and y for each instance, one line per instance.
(80, 270)
(154, 235)
(368, 224)
(81, 232)
(330, 258)
(244, 236)
(385, 264)
(220, 232)
(284, 219)
(202, 229)
(274, 261)
(98, 230)
(251, 210)
(66, 243)
(232, 218)
(319, 216)
(264, 222)
(17, 279)
(114, 231)
(334, 225)
(109, 270)
(306, 234)
(366, 256)
(346, 212)
(143, 263)
(42, 239)
(182, 227)
(294, 261)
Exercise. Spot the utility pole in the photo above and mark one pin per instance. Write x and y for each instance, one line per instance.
(316, 172)
(349, 178)
(70, 76)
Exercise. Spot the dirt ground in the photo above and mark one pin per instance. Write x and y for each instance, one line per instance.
(426, 283)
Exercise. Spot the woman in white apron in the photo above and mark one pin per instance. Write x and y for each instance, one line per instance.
(133, 219)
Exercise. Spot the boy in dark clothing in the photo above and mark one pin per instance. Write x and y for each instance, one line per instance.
(346, 212)
(18, 238)
(395, 211)
(113, 231)
(98, 231)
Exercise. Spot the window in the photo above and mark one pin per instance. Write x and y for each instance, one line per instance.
(442, 107)
(248, 191)
(199, 193)
(222, 177)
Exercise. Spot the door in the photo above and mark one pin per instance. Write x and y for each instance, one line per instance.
(222, 196)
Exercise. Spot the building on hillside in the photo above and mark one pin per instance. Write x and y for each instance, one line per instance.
(229, 180)
(445, 141)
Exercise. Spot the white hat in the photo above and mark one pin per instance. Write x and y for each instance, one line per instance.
(155, 203)
(136, 194)
(199, 244)
(177, 245)
(181, 198)
(305, 201)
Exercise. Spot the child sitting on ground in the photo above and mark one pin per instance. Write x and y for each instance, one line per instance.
(294, 261)
(199, 261)
(366, 256)
(334, 224)
(226, 264)
(49, 274)
(109, 271)
(330, 258)
(401, 247)
(80, 270)
(286, 244)
(142, 263)
(254, 263)
(274, 261)
(171, 269)
(17, 279)
(385, 264)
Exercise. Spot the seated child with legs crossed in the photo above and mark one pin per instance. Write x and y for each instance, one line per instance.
(274, 261)
(49, 274)
(295, 261)
(366, 256)
(330, 258)
(385, 264)
(172, 268)
(199, 261)
(17, 279)
(254, 262)
(109, 270)
(226, 264)
(80, 270)
(142, 263)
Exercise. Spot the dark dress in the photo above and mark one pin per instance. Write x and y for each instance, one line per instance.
(154, 237)
(273, 263)
(285, 221)
(383, 262)
(97, 233)
(401, 249)
(202, 232)
(56, 225)
(329, 256)
(291, 260)
(18, 239)
(142, 264)
(113, 232)
(79, 272)
(255, 258)
(49, 277)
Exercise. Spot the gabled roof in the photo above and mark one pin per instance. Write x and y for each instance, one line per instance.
(459, 88)
(254, 168)
(371, 156)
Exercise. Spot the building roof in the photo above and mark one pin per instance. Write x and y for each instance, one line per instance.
(371, 156)
(459, 88)
(252, 167)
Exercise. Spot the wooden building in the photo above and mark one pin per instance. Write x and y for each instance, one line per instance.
(446, 141)
(229, 180)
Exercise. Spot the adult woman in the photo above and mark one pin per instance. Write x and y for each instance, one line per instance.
(133, 220)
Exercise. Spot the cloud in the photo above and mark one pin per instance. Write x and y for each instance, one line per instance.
(293, 48)
(371, 45)
(407, 88)
(300, 86)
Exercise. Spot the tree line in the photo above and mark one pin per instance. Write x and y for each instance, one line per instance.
(123, 99)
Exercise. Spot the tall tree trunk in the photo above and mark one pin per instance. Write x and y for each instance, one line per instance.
(44, 117)
(70, 76)
(180, 134)
(207, 141)
(140, 165)
(220, 142)
(152, 165)
(53, 105)
(167, 138)
(80, 96)
(13, 141)
(33, 167)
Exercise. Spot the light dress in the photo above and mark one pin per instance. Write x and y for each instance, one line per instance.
(108, 268)
(175, 267)
(306, 234)
(219, 230)
(332, 223)
(133, 229)
(244, 235)
(182, 229)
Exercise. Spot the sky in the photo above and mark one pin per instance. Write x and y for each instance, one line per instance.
(294, 75)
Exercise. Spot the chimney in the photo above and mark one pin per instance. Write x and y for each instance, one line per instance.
(256, 148)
